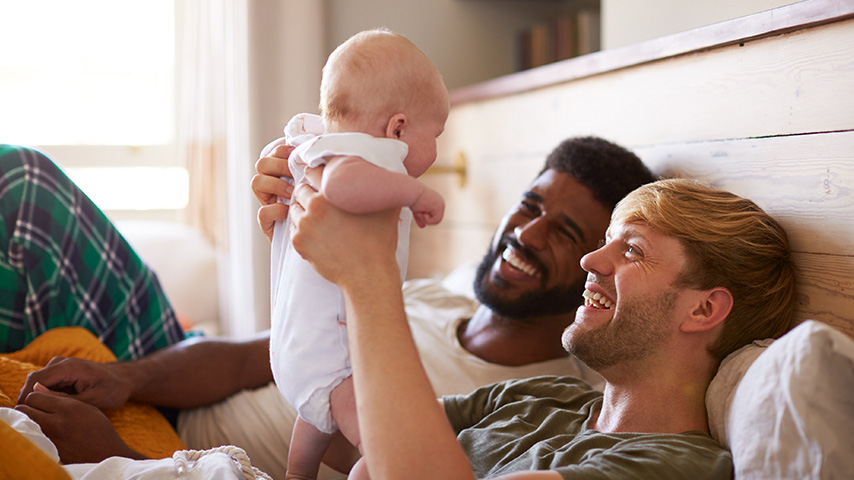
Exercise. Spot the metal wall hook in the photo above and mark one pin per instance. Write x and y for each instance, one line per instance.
(459, 168)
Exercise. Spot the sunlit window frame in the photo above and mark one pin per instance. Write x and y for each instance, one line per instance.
(115, 164)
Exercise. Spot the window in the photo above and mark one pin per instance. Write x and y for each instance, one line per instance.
(91, 82)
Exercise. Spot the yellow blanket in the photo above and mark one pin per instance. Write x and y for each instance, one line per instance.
(142, 427)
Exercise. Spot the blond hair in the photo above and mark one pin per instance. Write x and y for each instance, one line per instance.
(375, 74)
(730, 242)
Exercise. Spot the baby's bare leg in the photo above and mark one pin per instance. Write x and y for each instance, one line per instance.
(308, 445)
(343, 407)
(359, 471)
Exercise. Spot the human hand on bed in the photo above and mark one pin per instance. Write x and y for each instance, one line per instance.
(268, 186)
(342, 247)
(98, 384)
(81, 432)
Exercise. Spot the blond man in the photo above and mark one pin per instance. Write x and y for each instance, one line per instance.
(688, 274)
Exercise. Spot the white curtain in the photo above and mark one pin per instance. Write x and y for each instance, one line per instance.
(213, 112)
(228, 49)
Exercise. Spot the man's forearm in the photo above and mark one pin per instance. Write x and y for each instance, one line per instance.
(404, 431)
(200, 371)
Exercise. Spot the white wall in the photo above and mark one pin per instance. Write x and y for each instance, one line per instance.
(287, 51)
(630, 21)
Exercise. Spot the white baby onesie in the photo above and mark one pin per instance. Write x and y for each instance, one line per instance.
(309, 354)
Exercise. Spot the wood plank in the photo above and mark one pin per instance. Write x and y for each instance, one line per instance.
(805, 181)
(826, 290)
(740, 30)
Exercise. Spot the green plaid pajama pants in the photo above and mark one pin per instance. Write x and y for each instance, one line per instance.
(63, 263)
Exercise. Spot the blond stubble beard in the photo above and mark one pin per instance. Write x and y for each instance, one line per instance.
(638, 331)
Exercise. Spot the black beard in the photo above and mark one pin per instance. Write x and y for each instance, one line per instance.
(557, 301)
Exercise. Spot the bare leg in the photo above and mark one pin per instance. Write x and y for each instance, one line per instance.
(308, 445)
(343, 406)
(341, 455)
(359, 471)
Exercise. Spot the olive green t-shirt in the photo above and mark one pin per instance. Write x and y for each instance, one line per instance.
(541, 424)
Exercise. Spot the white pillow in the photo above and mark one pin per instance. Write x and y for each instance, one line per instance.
(792, 415)
(460, 280)
(722, 388)
(186, 265)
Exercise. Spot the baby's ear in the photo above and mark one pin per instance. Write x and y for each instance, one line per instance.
(396, 125)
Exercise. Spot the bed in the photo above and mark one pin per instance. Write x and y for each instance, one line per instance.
(762, 106)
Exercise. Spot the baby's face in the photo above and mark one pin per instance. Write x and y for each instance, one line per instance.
(424, 129)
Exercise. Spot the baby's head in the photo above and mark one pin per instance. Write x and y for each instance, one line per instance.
(380, 83)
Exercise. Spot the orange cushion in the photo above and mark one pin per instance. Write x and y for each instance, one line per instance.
(142, 427)
(22, 459)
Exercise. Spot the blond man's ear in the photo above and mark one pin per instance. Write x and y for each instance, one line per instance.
(710, 310)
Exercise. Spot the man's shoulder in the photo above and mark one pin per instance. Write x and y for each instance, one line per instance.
(652, 455)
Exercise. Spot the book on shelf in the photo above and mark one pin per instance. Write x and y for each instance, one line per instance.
(523, 50)
(564, 38)
(541, 53)
(589, 31)
(567, 36)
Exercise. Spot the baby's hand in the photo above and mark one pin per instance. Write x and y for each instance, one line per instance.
(428, 209)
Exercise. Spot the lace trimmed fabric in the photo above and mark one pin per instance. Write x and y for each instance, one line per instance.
(184, 458)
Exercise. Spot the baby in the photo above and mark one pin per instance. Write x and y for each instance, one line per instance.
(383, 104)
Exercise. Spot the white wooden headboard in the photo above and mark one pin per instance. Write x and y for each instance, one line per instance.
(762, 106)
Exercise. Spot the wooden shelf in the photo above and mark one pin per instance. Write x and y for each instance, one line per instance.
(764, 24)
